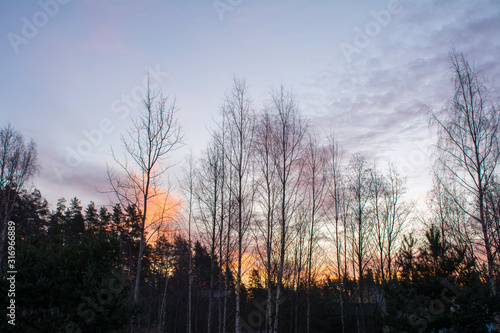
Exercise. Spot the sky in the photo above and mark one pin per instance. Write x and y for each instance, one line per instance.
(368, 71)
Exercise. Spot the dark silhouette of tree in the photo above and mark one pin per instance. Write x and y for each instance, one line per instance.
(72, 287)
(391, 214)
(469, 151)
(91, 218)
(361, 226)
(187, 186)
(104, 219)
(439, 289)
(74, 222)
(208, 195)
(339, 215)
(240, 128)
(18, 164)
(315, 180)
(32, 211)
(154, 134)
(287, 133)
(267, 187)
(406, 258)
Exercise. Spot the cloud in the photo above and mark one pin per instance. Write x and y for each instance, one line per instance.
(404, 69)
(378, 104)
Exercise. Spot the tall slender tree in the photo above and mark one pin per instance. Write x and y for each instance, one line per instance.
(316, 187)
(469, 150)
(267, 186)
(396, 217)
(208, 195)
(154, 134)
(288, 134)
(18, 164)
(239, 114)
(339, 208)
(361, 227)
(188, 189)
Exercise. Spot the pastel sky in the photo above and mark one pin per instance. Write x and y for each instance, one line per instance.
(367, 70)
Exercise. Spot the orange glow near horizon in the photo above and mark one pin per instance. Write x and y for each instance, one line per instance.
(163, 209)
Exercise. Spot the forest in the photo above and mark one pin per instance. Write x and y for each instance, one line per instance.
(272, 228)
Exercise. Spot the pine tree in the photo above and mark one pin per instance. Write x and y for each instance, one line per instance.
(75, 223)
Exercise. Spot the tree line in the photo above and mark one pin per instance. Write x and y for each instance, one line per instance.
(277, 230)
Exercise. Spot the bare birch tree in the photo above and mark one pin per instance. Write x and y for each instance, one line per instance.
(315, 185)
(299, 246)
(222, 226)
(268, 192)
(208, 195)
(361, 226)
(189, 188)
(154, 134)
(239, 114)
(454, 225)
(469, 149)
(339, 208)
(288, 134)
(18, 164)
(397, 214)
(390, 216)
(379, 192)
